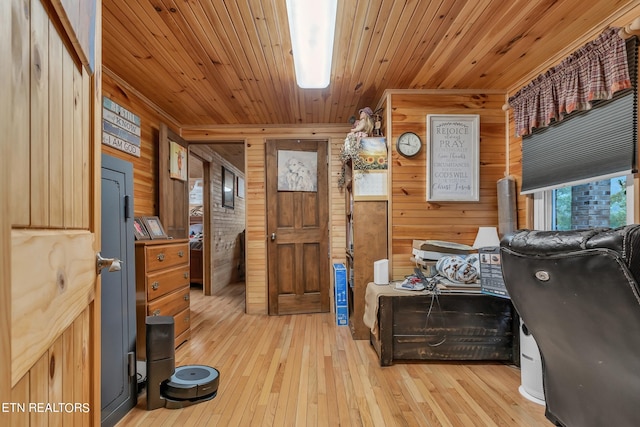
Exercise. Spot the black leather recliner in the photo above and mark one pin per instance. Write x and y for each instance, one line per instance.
(577, 292)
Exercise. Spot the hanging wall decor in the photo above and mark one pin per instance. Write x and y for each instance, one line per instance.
(297, 170)
(178, 161)
(453, 146)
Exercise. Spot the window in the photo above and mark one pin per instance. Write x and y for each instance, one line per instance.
(603, 203)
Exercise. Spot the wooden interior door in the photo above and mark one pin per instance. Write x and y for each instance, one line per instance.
(6, 109)
(173, 193)
(50, 215)
(297, 223)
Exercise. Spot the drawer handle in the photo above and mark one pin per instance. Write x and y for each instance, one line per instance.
(186, 319)
(186, 275)
(156, 312)
(186, 297)
(180, 254)
(155, 286)
(160, 257)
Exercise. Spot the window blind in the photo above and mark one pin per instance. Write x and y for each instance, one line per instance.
(586, 145)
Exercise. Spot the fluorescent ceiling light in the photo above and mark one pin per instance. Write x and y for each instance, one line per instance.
(312, 26)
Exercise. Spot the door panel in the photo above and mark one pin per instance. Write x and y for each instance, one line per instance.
(297, 220)
(49, 303)
(53, 277)
(118, 320)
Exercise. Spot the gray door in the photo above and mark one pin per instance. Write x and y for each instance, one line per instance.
(118, 386)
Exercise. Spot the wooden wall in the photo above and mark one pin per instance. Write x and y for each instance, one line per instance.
(524, 204)
(227, 223)
(411, 216)
(145, 167)
(256, 277)
(255, 138)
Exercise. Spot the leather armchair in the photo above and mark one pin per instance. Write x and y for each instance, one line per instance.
(577, 292)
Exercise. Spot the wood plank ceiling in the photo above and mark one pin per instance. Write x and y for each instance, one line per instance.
(228, 62)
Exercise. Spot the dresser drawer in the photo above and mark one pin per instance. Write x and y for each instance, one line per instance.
(165, 256)
(166, 281)
(183, 337)
(182, 321)
(169, 304)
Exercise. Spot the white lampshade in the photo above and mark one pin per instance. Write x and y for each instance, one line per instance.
(487, 236)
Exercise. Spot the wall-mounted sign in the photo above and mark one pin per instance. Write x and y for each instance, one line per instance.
(453, 145)
(120, 128)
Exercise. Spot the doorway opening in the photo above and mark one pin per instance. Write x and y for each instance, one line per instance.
(217, 171)
(197, 220)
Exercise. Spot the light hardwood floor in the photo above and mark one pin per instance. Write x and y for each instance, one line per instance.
(303, 370)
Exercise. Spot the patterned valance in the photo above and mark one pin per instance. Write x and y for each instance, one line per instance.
(595, 71)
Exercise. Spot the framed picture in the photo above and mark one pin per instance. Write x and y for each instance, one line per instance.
(373, 153)
(154, 227)
(140, 230)
(228, 188)
(453, 150)
(297, 170)
(177, 161)
(240, 188)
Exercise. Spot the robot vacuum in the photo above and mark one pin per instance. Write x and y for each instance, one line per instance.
(167, 385)
(190, 384)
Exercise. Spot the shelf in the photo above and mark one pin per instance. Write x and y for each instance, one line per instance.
(366, 244)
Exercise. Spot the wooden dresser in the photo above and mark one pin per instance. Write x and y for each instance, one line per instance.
(162, 287)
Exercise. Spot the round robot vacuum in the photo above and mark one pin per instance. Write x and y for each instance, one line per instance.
(192, 383)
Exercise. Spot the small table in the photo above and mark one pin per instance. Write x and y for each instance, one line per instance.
(448, 326)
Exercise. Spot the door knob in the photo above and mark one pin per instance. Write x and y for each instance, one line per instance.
(273, 236)
(113, 264)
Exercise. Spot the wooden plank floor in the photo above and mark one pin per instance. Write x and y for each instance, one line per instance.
(302, 370)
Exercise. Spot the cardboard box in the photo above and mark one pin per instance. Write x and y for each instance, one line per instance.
(342, 316)
(340, 294)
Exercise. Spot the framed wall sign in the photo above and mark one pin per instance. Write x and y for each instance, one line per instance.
(453, 149)
(228, 188)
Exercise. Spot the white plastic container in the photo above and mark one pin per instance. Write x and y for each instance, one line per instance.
(530, 367)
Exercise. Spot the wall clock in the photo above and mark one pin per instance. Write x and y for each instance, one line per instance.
(409, 144)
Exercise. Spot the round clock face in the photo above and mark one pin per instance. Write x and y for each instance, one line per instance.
(409, 144)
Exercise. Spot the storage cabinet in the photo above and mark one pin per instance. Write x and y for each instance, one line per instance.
(197, 266)
(162, 287)
(455, 327)
(366, 243)
(196, 234)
